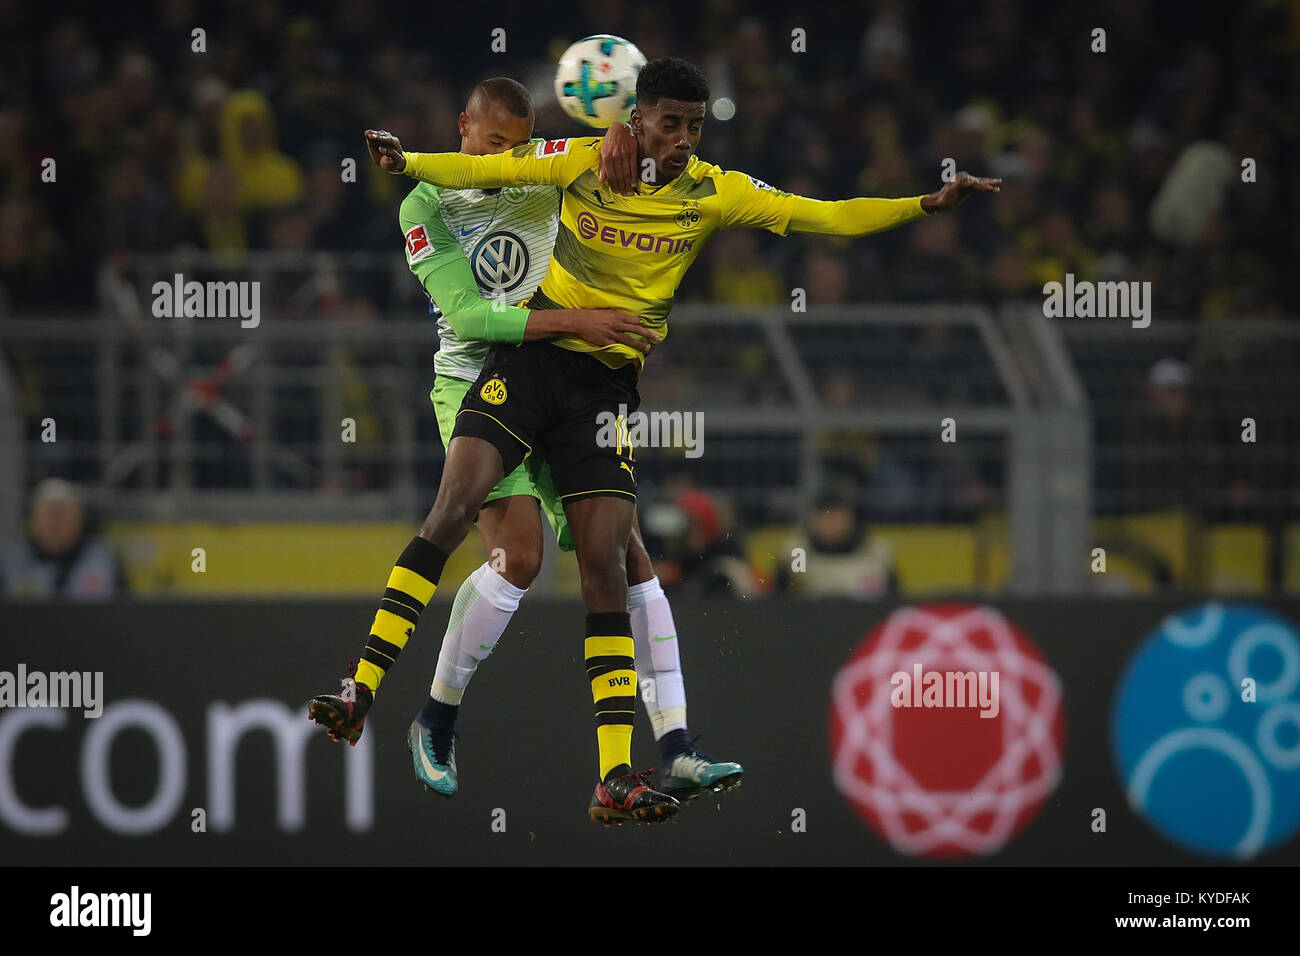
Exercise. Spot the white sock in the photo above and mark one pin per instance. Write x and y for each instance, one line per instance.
(658, 663)
(479, 615)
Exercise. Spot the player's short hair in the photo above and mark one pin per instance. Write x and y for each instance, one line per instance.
(505, 92)
(671, 77)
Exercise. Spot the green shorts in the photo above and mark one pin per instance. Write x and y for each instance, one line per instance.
(532, 477)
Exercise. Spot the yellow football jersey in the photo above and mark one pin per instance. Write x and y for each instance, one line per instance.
(630, 252)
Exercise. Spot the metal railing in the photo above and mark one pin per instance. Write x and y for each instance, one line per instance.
(208, 419)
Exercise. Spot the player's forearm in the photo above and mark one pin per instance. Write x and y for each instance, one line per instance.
(548, 323)
(487, 321)
(447, 278)
(491, 322)
(853, 217)
(459, 170)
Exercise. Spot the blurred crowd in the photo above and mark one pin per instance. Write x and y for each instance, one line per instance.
(63, 555)
(224, 128)
(699, 554)
(1122, 163)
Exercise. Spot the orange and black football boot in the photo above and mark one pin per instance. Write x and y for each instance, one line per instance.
(630, 797)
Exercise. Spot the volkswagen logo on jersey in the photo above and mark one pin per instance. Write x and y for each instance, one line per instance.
(500, 262)
(1205, 729)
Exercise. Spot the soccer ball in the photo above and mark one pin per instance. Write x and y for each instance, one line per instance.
(596, 80)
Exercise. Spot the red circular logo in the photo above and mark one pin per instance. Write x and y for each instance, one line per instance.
(946, 730)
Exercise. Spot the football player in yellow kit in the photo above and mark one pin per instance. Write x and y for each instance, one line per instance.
(548, 397)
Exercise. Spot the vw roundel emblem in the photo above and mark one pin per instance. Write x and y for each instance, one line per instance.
(500, 261)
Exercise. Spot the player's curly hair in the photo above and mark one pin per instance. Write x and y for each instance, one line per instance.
(671, 77)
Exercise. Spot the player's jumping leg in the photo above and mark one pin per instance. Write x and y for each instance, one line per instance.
(687, 772)
(600, 527)
(512, 532)
(473, 466)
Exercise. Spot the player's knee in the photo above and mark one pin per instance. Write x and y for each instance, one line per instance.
(448, 523)
(520, 562)
(604, 580)
(639, 566)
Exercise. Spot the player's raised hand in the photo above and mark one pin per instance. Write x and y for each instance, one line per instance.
(618, 159)
(385, 150)
(954, 193)
(611, 327)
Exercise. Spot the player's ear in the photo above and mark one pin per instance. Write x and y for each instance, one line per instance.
(635, 120)
(462, 124)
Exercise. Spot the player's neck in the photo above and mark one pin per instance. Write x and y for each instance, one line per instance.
(660, 182)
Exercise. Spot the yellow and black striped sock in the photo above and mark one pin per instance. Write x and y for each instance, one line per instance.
(412, 583)
(612, 672)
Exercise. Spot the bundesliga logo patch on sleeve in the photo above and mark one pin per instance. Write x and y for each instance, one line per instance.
(552, 147)
(417, 243)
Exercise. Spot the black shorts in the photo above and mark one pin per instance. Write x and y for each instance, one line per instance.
(540, 401)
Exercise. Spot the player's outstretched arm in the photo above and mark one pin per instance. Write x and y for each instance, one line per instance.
(385, 150)
(447, 170)
(955, 193)
(750, 202)
(544, 163)
(864, 216)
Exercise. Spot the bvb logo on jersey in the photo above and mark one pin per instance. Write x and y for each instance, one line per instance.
(688, 218)
(493, 392)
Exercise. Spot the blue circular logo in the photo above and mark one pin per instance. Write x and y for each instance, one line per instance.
(1205, 729)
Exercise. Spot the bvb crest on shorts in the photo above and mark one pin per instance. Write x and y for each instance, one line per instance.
(493, 391)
